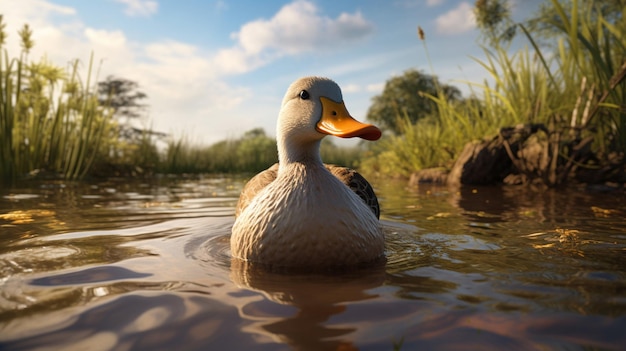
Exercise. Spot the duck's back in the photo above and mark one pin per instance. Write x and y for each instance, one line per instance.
(347, 176)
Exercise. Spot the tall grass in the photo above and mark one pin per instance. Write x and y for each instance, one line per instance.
(596, 57)
(575, 90)
(253, 152)
(49, 119)
(400, 155)
(181, 156)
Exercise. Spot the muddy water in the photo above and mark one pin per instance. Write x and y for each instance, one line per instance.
(122, 265)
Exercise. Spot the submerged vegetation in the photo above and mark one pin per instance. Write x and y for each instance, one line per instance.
(561, 99)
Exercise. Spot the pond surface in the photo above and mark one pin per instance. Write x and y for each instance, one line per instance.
(123, 265)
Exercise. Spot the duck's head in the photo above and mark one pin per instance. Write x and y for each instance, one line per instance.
(312, 108)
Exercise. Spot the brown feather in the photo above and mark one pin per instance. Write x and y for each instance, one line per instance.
(348, 176)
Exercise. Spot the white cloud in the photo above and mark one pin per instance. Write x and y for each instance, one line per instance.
(434, 2)
(140, 8)
(36, 9)
(236, 61)
(458, 20)
(351, 88)
(105, 38)
(35, 13)
(296, 28)
(170, 52)
(414, 3)
(375, 87)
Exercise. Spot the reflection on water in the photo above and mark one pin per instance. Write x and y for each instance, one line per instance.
(123, 265)
(316, 300)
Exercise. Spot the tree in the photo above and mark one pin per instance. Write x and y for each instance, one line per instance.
(123, 97)
(134, 149)
(493, 17)
(256, 151)
(404, 96)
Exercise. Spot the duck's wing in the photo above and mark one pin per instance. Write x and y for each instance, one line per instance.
(254, 186)
(358, 184)
(348, 176)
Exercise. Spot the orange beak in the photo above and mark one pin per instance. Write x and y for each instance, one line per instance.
(337, 121)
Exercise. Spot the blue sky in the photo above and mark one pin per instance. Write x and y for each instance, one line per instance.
(215, 69)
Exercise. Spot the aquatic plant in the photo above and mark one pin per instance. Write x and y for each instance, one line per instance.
(49, 119)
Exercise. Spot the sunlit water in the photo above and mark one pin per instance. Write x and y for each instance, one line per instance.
(145, 266)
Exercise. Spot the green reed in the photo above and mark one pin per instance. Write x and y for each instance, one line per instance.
(246, 154)
(49, 120)
(252, 152)
(574, 89)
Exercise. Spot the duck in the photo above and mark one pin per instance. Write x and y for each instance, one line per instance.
(302, 213)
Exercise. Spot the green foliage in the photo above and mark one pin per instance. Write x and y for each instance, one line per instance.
(405, 96)
(493, 17)
(577, 91)
(119, 156)
(49, 120)
(182, 157)
(256, 151)
(402, 154)
(593, 57)
(122, 96)
(342, 156)
(251, 153)
(546, 25)
(580, 69)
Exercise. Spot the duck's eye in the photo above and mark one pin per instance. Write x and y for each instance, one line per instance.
(304, 95)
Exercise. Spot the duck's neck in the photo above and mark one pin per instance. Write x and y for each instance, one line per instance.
(290, 152)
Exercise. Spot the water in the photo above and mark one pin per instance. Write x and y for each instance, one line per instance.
(123, 265)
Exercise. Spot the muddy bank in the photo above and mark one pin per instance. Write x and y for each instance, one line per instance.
(529, 154)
